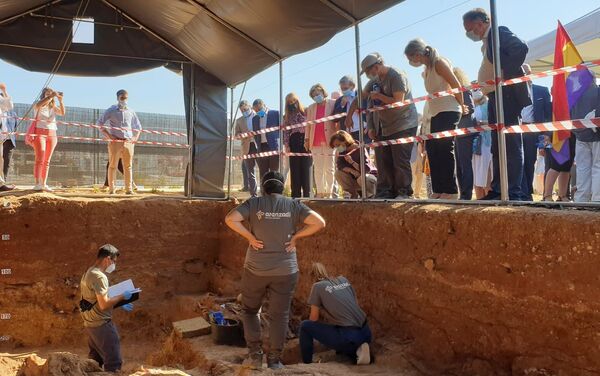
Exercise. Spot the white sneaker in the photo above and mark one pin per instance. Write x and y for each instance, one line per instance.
(363, 355)
(38, 187)
(47, 189)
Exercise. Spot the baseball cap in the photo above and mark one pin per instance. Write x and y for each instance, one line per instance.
(370, 60)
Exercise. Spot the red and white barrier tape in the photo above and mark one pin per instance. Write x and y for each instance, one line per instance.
(95, 126)
(512, 81)
(523, 128)
(91, 139)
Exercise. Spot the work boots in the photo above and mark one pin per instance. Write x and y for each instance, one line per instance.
(254, 360)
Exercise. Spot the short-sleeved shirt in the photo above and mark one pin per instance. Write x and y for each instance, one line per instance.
(337, 298)
(93, 282)
(273, 219)
(398, 119)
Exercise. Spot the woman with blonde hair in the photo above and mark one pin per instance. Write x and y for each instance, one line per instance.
(294, 141)
(317, 141)
(348, 173)
(44, 138)
(445, 114)
(346, 330)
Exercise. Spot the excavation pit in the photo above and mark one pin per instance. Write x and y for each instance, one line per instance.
(449, 289)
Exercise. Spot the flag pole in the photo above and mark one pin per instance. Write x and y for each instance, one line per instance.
(499, 104)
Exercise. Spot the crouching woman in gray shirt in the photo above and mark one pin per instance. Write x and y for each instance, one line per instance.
(346, 330)
(270, 264)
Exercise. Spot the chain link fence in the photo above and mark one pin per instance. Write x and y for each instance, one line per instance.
(78, 163)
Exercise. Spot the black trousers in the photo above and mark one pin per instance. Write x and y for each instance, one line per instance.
(119, 167)
(299, 167)
(514, 148)
(7, 151)
(266, 164)
(464, 165)
(441, 153)
(394, 175)
(530, 152)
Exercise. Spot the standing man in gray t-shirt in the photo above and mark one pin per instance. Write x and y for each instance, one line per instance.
(389, 85)
(271, 264)
(345, 327)
(96, 310)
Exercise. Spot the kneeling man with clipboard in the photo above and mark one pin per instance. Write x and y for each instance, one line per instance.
(96, 306)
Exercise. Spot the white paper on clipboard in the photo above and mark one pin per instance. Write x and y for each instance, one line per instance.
(121, 287)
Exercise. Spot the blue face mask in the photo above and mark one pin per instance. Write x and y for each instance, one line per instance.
(319, 98)
(261, 113)
(348, 93)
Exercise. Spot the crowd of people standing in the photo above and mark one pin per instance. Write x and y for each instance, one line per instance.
(454, 167)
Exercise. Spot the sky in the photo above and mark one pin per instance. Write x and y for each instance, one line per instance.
(438, 22)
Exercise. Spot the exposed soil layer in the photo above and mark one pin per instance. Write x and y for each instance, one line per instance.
(457, 290)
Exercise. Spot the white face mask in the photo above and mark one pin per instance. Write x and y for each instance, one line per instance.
(415, 64)
(111, 268)
(122, 103)
(472, 36)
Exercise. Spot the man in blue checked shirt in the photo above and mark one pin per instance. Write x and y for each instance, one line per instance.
(123, 132)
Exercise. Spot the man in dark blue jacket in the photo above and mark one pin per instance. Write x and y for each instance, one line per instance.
(538, 112)
(266, 118)
(513, 50)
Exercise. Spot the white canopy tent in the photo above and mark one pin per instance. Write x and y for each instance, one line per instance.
(585, 33)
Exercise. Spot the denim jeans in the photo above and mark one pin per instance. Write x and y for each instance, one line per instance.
(344, 340)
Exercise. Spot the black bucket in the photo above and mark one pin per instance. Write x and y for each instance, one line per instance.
(230, 334)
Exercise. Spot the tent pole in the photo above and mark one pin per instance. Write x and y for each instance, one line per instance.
(231, 141)
(361, 133)
(190, 171)
(281, 109)
(499, 104)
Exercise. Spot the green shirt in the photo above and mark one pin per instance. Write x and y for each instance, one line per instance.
(93, 282)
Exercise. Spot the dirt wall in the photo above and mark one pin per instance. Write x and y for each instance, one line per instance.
(168, 248)
(467, 290)
(471, 290)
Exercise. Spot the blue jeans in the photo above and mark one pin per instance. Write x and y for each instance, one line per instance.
(344, 340)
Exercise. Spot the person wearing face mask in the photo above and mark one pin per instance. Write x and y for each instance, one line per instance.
(317, 140)
(482, 148)
(124, 129)
(388, 85)
(348, 171)
(294, 141)
(44, 140)
(266, 118)
(96, 310)
(445, 114)
(513, 50)
(243, 125)
(275, 224)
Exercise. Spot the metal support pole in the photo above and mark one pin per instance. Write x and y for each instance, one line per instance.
(281, 109)
(499, 104)
(361, 133)
(231, 141)
(191, 141)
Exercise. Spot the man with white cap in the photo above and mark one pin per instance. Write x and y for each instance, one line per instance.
(389, 85)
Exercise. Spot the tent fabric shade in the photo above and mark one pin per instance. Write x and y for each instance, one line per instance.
(585, 33)
(214, 34)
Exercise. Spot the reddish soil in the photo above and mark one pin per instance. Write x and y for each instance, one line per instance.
(453, 290)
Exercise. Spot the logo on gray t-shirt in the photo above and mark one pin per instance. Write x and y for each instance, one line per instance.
(273, 219)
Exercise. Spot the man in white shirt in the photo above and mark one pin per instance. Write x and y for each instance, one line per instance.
(6, 106)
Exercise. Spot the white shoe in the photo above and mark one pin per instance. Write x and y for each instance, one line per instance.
(45, 188)
(38, 187)
(363, 355)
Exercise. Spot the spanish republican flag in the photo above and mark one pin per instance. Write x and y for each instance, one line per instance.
(567, 89)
